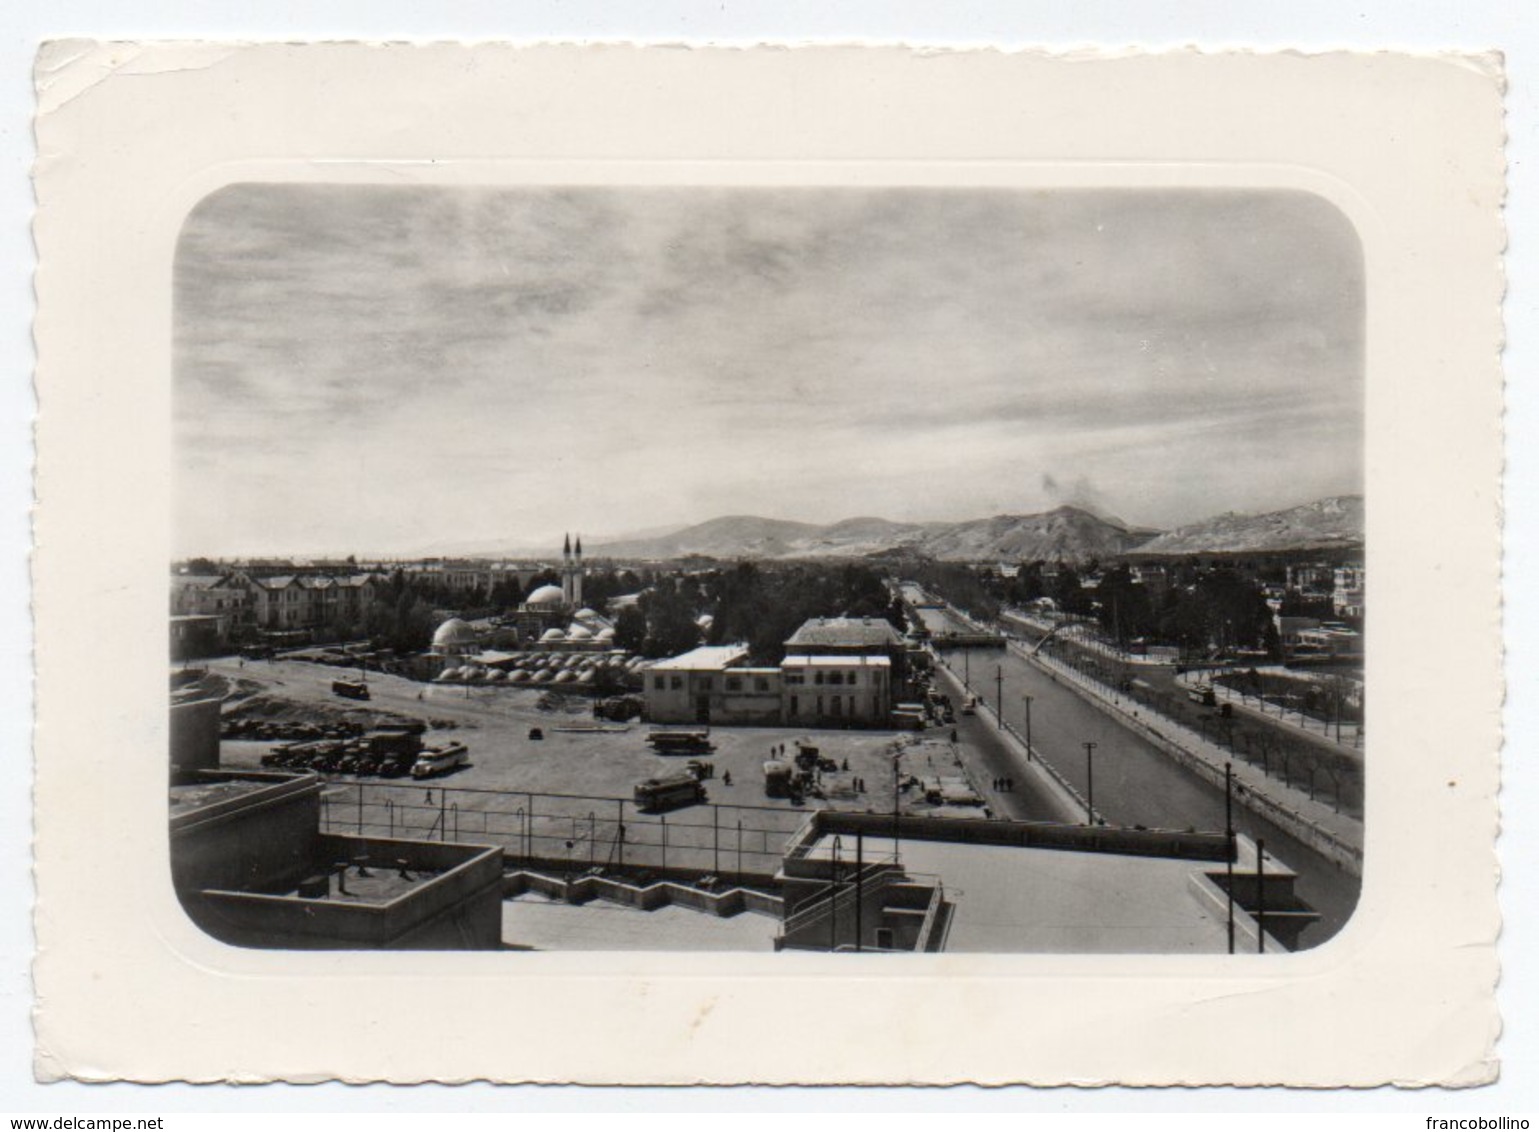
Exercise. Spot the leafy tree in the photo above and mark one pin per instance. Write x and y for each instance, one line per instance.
(671, 625)
(631, 629)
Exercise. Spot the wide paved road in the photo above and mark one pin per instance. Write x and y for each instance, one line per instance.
(1134, 783)
(990, 757)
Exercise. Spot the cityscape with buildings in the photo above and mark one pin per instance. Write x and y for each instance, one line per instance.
(740, 753)
(460, 658)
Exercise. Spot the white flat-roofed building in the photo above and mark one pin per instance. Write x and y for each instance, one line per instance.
(714, 684)
(833, 690)
(852, 636)
(681, 688)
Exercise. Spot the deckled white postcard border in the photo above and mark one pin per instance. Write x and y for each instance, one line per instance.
(131, 136)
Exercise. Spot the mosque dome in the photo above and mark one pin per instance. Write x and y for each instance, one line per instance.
(546, 595)
(585, 614)
(453, 633)
(606, 634)
(578, 633)
(553, 635)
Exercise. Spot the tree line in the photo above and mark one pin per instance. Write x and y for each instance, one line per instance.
(1196, 609)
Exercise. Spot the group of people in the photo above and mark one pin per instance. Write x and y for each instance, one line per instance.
(1004, 785)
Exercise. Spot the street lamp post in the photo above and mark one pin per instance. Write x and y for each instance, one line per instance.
(1260, 896)
(999, 695)
(1090, 781)
(1028, 727)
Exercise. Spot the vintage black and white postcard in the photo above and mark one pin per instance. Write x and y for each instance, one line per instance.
(833, 565)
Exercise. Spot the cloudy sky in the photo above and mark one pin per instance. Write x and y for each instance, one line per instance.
(383, 369)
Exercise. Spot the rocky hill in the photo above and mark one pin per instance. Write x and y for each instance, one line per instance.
(731, 536)
(1326, 524)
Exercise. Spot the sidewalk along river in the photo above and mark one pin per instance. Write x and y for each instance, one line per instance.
(1134, 782)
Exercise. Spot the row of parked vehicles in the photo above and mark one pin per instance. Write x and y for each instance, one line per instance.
(272, 730)
(385, 753)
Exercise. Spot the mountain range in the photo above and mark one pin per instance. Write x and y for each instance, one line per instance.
(1064, 534)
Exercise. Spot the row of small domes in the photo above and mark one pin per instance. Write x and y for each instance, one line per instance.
(456, 631)
(578, 633)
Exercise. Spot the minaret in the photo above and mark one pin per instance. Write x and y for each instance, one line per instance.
(566, 571)
(577, 576)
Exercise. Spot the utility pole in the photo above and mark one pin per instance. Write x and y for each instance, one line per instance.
(833, 897)
(1090, 781)
(1260, 896)
(1028, 727)
(999, 694)
(1229, 845)
(860, 881)
(967, 669)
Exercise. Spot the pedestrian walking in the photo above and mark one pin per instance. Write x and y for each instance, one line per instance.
(429, 797)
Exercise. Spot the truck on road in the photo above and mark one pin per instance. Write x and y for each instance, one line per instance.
(680, 742)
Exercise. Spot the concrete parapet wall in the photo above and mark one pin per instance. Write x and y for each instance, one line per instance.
(1041, 835)
(262, 838)
(195, 735)
(646, 898)
(459, 909)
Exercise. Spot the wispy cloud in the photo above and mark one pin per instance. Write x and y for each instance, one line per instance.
(384, 367)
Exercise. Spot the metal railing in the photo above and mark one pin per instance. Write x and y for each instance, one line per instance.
(581, 831)
(840, 895)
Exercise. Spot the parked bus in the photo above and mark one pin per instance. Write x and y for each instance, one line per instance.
(439, 760)
(670, 792)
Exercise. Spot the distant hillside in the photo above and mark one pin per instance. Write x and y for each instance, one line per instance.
(1335, 522)
(732, 536)
(1067, 534)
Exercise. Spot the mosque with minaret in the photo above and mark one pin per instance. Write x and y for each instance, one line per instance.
(555, 617)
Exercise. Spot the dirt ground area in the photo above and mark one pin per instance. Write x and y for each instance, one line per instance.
(577, 754)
